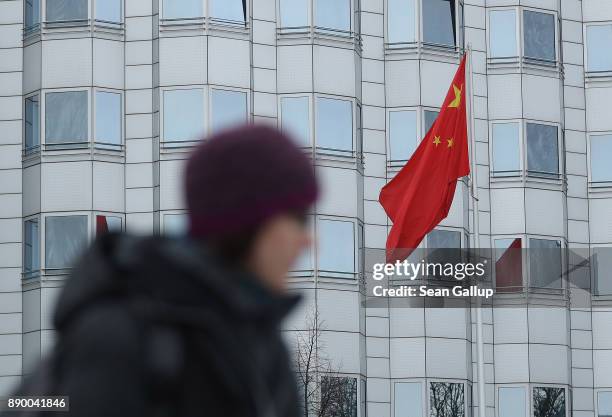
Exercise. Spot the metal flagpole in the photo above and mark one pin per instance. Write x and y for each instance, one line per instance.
(476, 226)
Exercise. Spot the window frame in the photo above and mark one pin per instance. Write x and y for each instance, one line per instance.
(522, 158)
(517, 32)
(525, 387)
(175, 144)
(419, 38)
(597, 392)
(466, 391)
(209, 108)
(43, 120)
(34, 273)
(311, 110)
(350, 276)
(424, 396)
(354, 152)
(43, 239)
(560, 151)
(33, 149)
(94, 104)
(59, 23)
(527, 263)
(333, 31)
(532, 386)
(588, 73)
(419, 118)
(539, 61)
(593, 183)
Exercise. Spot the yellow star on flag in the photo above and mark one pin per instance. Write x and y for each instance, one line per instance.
(457, 100)
(437, 141)
(450, 142)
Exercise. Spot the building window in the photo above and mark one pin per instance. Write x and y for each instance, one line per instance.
(333, 15)
(334, 124)
(66, 118)
(401, 21)
(108, 11)
(32, 123)
(545, 264)
(444, 239)
(338, 396)
(31, 248)
(228, 10)
(175, 224)
(506, 153)
(108, 118)
(32, 13)
(295, 120)
(65, 238)
(601, 265)
(439, 22)
(601, 155)
(108, 224)
(548, 402)
(604, 403)
(542, 150)
(183, 115)
(429, 118)
(228, 108)
(512, 402)
(502, 33)
(509, 265)
(181, 9)
(446, 399)
(66, 10)
(408, 398)
(599, 55)
(539, 35)
(294, 13)
(402, 134)
(336, 250)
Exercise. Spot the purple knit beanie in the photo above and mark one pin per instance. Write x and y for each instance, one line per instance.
(239, 178)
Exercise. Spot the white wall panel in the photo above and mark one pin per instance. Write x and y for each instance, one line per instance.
(507, 211)
(511, 363)
(339, 191)
(544, 212)
(541, 98)
(108, 187)
(171, 185)
(402, 83)
(66, 186)
(233, 69)
(182, 60)
(334, 71)
(294, 69)
(66, 63)
(407, 357)
(108, 63)
(505, 97)
(549, 364)
(601, 221)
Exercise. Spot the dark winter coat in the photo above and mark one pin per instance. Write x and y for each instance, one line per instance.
(155, 326)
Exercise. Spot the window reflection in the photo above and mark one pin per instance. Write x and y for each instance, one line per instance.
(336, 252)
(183, 115)
(446, 399)
(548, 402)
(65, 238)
(66, 117)
(32, 13)
(400, 21)
(227, 10)
(539, 34)
(502, 33)
(506, 155)
(293, 13)
(545, 263)
(601, 155)
(338, 397)
(333, 14)
(430, 117)
(402, 134)
(108, 10)
(604, 404)
(295, 120)
(66, 10)
(408, 399)
(31, 247)
(334, 124)
(439, 26)
(542, 149)
(508, 265)
(177, 9)
(32, 122)
(512, 402)
(599, 55)
(108, 118)
(228, 108)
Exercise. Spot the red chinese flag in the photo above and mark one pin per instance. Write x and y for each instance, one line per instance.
(420, 195)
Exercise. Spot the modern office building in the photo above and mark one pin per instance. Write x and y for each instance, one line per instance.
(101, 101)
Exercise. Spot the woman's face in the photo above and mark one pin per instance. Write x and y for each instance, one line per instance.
(276, 248)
